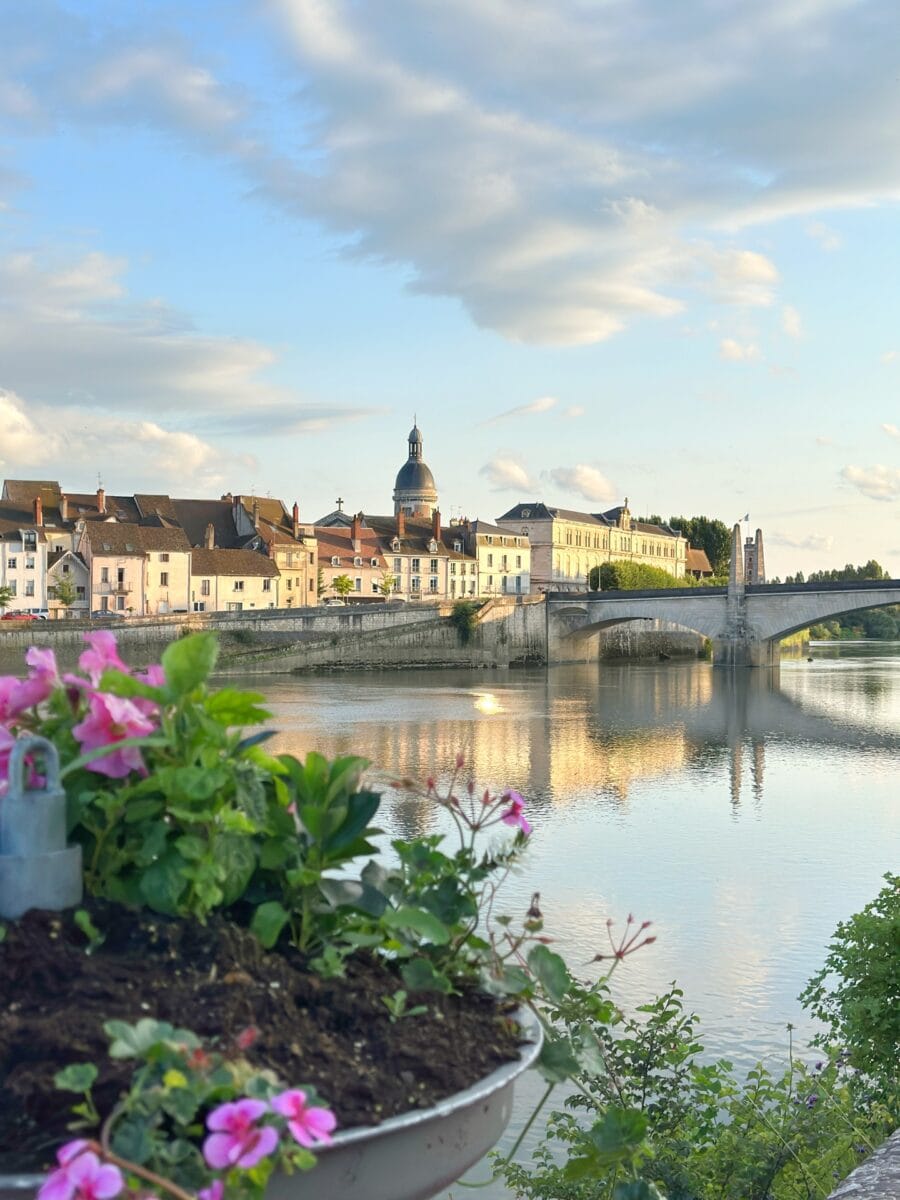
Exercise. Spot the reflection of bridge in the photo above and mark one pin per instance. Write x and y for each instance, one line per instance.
(744, 622)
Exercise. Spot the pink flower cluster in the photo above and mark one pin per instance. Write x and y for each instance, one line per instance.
(81, 1176)
(238, 1137)
(105, 719)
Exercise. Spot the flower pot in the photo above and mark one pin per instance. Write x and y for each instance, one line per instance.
(410, 1157)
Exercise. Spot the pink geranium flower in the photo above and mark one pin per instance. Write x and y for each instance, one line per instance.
(112, 719)
(237, 1140)
(515, 814)
(215, 1191)
(101, 656)
(43, 664)
(307, 1123)
(81, 1176)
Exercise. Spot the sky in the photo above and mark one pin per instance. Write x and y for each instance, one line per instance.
(598, 249)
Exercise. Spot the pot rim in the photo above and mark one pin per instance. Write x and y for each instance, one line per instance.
(497, 1079)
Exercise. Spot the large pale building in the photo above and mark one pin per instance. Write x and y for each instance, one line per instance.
(566, 545)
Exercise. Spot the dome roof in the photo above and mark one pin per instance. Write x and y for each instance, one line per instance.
(414, 476)
(415, 435)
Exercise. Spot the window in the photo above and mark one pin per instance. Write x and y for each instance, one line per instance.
(489, 540)
(29, 539)
(199, 606)
(503, 584)
(267, 585)
(414, 565)
(453, 568)
(375, 589)
(357, 584)
(290, 583)
(526, 513)
(335, 560)
(312, 558)
(490, 581)
(503, 564)
(79, 592)
(416, 584)
(432, 545)
(11, 562)
(490, 560)
(234, 606)
(311, 587)
(204, 587)
(164, 579)
(164, 558)
(120, 576)
(433, 566)
(457, 546)
(357, 562)
(120, 603)
(395, 543)
(29, 587)
(433, 584)
(104, 574)
(518, 561)
(398, 566)
(29, 562)
(374, 562)
(239, 585)
(65, 568)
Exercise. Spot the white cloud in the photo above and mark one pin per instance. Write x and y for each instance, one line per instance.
(826, 237)
(891, 430)
(888, 356)
(812, 541)
(62, 443)
(733, 351)
(574, 411)
(584, 481)
(541, 405)
(878, 482)
(506, 474)
(790, 322)
(559, 173)
(113, 353)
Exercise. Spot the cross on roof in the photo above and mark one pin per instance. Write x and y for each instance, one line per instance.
(340, 502)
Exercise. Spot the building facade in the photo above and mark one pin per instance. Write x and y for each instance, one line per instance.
(232, 581)
(503, 558)
(566, 545)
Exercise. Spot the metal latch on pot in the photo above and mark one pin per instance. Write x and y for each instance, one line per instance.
(37, 868)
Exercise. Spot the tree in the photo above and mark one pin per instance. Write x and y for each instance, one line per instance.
(321, 585)
(709, 534)
(6, 596)
(64, 592)
(342, 584)
(387, 583)
(630, 576)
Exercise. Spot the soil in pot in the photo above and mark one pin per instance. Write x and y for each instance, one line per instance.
(336, 1034)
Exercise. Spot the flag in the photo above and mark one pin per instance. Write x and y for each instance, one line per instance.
(745, 517)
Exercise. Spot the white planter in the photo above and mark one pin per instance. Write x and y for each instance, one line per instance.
(410, 1157)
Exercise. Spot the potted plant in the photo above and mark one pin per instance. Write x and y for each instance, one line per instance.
(179, 1029)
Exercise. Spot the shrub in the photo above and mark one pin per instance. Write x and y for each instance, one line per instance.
(464, 619)
(629, 577)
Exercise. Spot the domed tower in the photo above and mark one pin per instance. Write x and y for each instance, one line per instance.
(414, 492)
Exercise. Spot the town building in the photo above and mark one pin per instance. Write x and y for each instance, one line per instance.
(135, 569)
(67, 575)
(503, 558)
(356, 553)
(566, 545)
(415, 493)
(425, 559)
(697, 564)
(232, 581)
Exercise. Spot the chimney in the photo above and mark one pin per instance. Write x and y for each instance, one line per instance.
(209, 537)
(101, 500)
(356, 532)
(401, 525)
(255, 512)
(296, 516)
(38, 507)
(436, 524)
(64, 507)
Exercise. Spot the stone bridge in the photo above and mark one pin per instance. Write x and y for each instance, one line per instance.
(744, 622)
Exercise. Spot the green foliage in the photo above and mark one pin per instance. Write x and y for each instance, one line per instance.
(321, 585)
(6, 596)
(342, 584)
(847, 574)
(857, 993)
(387, 583)
(709, 534)
(653, 1109)
(464, 619)
(65, 592)
(631, 576)
(398, 1008)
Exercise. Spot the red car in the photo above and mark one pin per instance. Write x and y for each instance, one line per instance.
(19, 616)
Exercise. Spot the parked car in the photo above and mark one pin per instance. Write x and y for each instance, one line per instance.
(331, 601)
(98, 613)
(42, 614)
(18, 616)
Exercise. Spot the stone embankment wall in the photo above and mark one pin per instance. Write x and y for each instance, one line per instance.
(649, 639)
(509, 631)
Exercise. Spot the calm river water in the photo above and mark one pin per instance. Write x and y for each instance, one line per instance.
(744, 813)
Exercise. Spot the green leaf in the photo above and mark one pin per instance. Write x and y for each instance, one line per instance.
(189, 661)
(636, 1189)
(268, 921)
(132, 1140)
(231, 707)
(117, 683)
(236, 856)
(513, 981)
(417, 920)
(350, 893)
(134, 1041)
(551, 972)
(419, 975)
(163, 883)
(556, 1061)
(77, 1077)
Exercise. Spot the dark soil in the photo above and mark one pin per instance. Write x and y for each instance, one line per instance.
(216, 980)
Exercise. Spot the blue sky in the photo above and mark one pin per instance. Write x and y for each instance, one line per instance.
(601, 248)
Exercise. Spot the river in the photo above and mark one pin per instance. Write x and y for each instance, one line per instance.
(744, 813)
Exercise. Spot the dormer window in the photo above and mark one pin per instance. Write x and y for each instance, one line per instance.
(457, 546)
(526, 513)
(395, 543)
(432, 545)
(335, 561)
(357, 562)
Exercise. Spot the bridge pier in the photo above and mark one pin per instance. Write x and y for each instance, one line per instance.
(745, 652)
